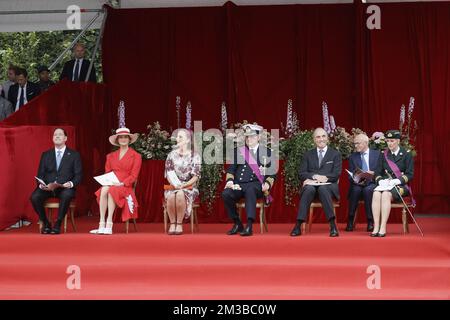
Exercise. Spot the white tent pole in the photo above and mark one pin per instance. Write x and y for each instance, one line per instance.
(99, 37)
(75, 40)
(45, 11)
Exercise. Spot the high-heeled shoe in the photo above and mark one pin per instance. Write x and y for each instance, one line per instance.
(100, 230)
(173, 231)
(108, 229)
(381, 235)
(179, 232)
(374, 235)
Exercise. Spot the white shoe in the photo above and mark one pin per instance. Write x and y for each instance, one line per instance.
(98, 231)
(108, 229)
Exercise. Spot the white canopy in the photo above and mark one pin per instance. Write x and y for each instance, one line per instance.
(33, 15)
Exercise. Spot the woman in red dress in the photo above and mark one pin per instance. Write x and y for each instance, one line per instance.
(125, 163)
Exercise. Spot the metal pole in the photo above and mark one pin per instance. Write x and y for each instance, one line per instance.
(45, 11)
(75, 40)
(100, 36)
(405, 205)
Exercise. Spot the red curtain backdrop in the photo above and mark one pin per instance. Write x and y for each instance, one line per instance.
(81, 109)
(255, 58)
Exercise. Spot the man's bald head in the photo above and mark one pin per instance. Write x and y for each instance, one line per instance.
(320, 138)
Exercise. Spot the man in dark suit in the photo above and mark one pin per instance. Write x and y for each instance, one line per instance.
(23, 91)
(244, 182)
(62, 166)
(77, 68)
(368, 160)
(321, 165)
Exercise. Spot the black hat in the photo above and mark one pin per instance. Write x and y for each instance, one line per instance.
(43, 68)
(393, 134)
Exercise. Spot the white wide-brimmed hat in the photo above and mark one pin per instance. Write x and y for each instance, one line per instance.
(123, 132)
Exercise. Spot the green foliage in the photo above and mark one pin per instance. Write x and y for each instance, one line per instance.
(292, 151)
(154, 145)
(32, 49)
(210, 175)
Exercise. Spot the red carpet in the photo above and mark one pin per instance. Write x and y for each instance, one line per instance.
(211, 265)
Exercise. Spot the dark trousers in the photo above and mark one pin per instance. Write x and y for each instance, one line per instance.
(357, 193)
(308, 194)
(38, 198)
(251, 191)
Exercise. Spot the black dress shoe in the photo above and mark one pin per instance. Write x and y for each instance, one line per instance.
(236, 229)
(334, 232)
(297, 231)
(55, 230)
(369, 227)
(46, 230)
(349, 227)
(247, 232)
(381, 235)
(374, 235)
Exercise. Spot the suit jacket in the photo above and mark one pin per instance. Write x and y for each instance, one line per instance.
(405, 162)
(70, 168)
(331, 167)
(355, 161)
(68, 71)
(33, 90)
(5, 108)
(240, 172)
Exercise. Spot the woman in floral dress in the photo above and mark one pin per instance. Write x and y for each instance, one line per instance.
(186, 165)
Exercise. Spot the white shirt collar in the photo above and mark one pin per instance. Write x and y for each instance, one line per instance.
(324, 151)
(63, 150)
(396, 152)
(255, 148)
(365, 153)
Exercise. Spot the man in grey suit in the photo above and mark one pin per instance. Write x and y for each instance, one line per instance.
(5, 108)
(319, 171)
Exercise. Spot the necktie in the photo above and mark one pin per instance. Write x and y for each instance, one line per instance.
(77, 71)
(320, 157)
(58, 159)
(364, 163)
(21, 98)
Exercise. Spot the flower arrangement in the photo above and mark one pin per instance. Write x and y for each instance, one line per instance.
(154, 145)
(342, 141)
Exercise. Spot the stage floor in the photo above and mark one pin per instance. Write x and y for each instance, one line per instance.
(211, 265)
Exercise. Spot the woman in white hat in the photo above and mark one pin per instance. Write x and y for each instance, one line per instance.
(125, 163)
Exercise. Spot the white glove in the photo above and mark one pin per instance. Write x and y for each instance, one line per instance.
(229, 184)
(384, 183)
(394, 182)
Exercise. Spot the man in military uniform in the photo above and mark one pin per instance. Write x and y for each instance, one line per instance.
(245, 180)
(397, 170)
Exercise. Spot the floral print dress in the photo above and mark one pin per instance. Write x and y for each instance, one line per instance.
(185, 167)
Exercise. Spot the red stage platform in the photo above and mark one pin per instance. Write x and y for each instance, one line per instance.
(212, 265)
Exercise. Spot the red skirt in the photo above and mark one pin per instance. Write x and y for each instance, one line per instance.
(125, 199)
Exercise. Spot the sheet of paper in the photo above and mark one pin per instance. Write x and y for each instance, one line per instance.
(107, 179)
(41, 181)
(317, 183)
(383, 188)
(351, 174)
(173, 178)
